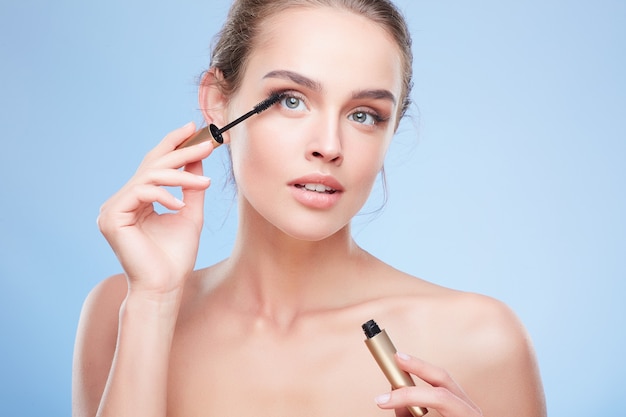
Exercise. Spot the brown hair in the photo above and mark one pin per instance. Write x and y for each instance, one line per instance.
(236, 40)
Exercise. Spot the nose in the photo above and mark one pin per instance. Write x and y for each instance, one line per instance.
(326, 144)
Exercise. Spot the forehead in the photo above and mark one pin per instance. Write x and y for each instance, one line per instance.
(332, 45)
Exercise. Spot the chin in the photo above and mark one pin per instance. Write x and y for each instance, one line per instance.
(296, 222)
(314, 232)
(309, 228)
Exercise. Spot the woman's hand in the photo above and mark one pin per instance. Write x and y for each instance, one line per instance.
(158, 251)
(443, 395)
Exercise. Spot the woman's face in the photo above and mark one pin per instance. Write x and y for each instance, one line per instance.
(307, 164)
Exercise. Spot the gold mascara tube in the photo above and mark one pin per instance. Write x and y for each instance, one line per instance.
(383, 350)
(202, 135)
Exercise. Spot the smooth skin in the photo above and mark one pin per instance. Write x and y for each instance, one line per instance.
(275, 329)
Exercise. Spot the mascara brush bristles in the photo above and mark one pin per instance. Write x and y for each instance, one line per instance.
(268, 102)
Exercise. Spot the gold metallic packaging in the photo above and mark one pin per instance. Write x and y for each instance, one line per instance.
(383, 351)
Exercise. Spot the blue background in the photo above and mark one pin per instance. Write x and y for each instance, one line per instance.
(508, 179)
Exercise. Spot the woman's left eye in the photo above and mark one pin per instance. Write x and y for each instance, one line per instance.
(292, 102)
(364, 118)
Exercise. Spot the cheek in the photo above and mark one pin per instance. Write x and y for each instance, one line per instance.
(256, 158)
(363, 171)
(367, 161)
(364, 185)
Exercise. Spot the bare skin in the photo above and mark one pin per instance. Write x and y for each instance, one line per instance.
(231, 358)
(275, 329)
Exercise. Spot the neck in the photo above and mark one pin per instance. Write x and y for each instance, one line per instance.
(277, 278)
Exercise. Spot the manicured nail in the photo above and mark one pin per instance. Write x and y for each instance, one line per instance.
(179, 203)
(383, 398)
(203, 178)
(403, 356)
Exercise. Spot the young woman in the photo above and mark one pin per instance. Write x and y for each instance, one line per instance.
(275, 329)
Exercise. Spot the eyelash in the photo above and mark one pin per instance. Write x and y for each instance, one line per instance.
(378, 119)
(291, 94)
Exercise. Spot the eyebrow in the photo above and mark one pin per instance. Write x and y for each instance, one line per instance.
(376, 94)
(296, 78)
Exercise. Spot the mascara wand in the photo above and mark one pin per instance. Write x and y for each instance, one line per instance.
(216, 133)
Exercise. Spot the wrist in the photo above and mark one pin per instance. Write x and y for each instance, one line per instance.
(152, 304)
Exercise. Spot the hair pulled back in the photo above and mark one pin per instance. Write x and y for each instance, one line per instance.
(236, 40)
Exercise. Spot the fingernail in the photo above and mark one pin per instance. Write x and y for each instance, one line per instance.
(179, 203)
(203, 178)
(403, 356)
(187, 125)
(383, 398)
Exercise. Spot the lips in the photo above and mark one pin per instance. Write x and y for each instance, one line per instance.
(318, 188)
(318, 183)
(317, 191)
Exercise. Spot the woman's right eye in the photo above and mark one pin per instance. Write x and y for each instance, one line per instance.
(292, 102)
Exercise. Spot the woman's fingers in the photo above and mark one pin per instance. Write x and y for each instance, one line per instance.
(127, 208)
(443, 394)
(180, 157)
(431, 374)
(158, 250)
(146, 188)
(172, 178)
(171, 141)
(166, 154)
(194, 196)
(445, 402)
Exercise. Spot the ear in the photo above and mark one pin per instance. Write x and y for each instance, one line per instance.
(213, 102)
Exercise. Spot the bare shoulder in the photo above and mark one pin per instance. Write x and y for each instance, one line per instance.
(494, 358)
(95, 343)
(487, 328)
(477, 339)
(100, 312)
(485, 323)
(103, 302)
(482, 322)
